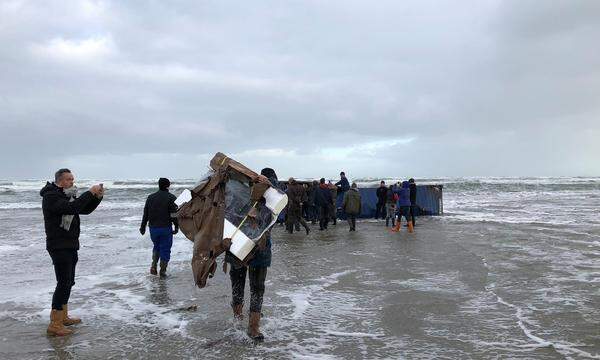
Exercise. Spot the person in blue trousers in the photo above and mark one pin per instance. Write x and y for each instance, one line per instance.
(159, 213)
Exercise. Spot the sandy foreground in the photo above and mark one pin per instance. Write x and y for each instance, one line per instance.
(452, 289)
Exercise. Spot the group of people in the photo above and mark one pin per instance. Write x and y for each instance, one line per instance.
(316, 201)
(62, 206)
(399, 201)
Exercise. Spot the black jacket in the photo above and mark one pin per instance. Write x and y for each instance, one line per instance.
(323, 197)
(413, 193)
(55, 204)
(158, 209)
(381, 194)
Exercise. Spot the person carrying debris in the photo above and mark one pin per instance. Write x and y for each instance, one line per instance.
(256, 268)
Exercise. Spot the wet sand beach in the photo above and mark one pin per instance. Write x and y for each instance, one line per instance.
(450, 290)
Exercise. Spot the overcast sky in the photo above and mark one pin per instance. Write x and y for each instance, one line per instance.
(141, 89)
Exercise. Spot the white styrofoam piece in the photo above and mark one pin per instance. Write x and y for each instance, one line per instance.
(241, 245)
(184, 197)
(275, 200)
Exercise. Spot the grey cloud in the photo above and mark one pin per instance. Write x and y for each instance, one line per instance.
(482, 88)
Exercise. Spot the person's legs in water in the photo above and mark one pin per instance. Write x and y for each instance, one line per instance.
(155, 257)
(412, 214)
(238, 283)
(63, 270)
(405, 211)
(155, 253)
(257, 289)
(164, 237)
(389, 214)
(165, 251)
(325, 214)
(352, 221)
(398, 220)
(304, 224)
(333, 213)
(68, 320)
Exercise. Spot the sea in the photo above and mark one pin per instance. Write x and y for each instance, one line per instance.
(510, 270)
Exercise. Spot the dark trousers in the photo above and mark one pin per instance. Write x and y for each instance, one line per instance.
(324, 216)
(310, 213)
(64, 262)
(380, 210)
(351, 221)
(412, 213)
(257, 286)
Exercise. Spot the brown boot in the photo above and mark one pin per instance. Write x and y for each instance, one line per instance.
(237, 312)
(411, 229)
(67, 321)
(397, 227)
(56, 327)
(253, 327)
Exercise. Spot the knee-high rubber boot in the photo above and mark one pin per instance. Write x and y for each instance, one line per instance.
(253, 327)
(67, 320)
(163, 268)
(238, 312)
(411, 229)
(155, 256)
(56, 327)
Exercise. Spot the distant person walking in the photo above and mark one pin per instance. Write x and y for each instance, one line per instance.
(390, 206)
(352, 205)
(61, 208)
(381, 200)
(296, 198)
(311, 212)
(333, 205)
(159, 212)
(413, 199)
(323, 201)
(404, 206)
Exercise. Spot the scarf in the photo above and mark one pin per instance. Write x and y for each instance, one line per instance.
(67, 219)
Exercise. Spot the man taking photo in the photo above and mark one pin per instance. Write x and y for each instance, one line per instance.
(61, 208)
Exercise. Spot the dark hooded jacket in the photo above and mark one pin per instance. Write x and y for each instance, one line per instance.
(55, 204)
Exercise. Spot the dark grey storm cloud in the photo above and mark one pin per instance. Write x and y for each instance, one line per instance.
(387, 88)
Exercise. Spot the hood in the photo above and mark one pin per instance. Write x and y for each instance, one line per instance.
(405, 185)
(49, 187)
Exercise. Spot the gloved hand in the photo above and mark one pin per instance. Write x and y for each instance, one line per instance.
(142, 230)
(175, 230)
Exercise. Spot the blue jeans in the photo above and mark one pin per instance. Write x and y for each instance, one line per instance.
(162, 237)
